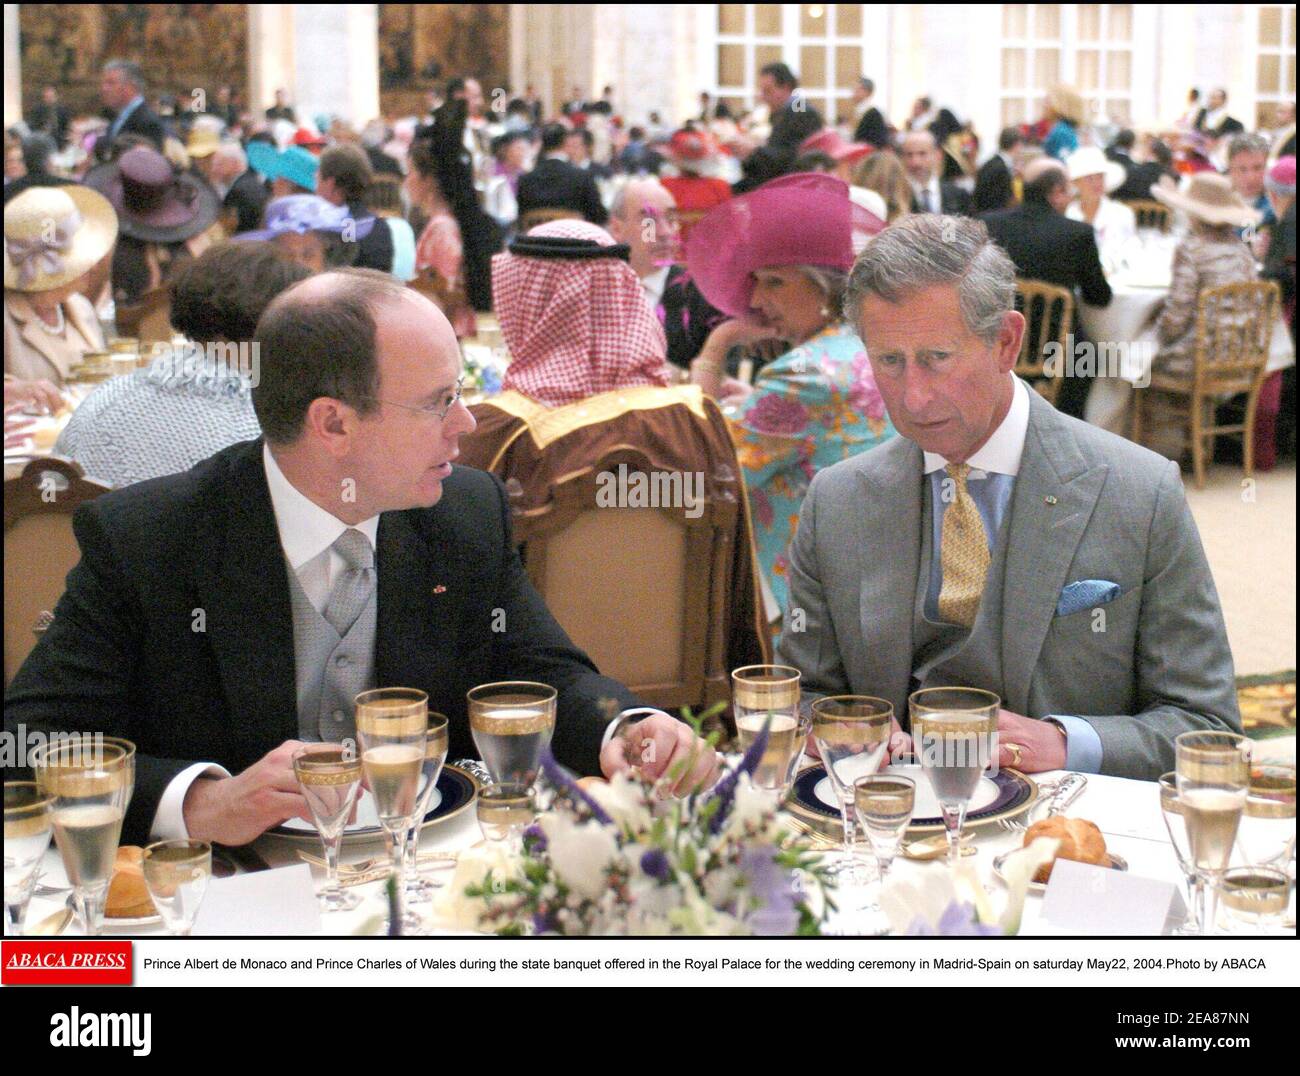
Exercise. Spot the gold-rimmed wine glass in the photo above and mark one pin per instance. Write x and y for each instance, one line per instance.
(329, 775)
(954, 731)
(391, 726)
(504, 812)
(29, 825)
(89, 783)
(511, 722)
(129, 748)
(1213, 771)
(1255, 896)
(852, 736)
(176, 873)
(763, 694)
(420, 890)
(1267, 831)
(884, 804)
(1176, 826)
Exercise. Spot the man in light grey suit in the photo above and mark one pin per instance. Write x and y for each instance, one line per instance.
(997, 543)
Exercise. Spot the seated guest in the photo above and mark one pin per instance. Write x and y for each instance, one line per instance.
(637, 158)
(341, 552)
(510, 151)
(383, 198)
(574, 316)
(53, 237)
(243, 194)
(308, 230)
(579, 146)
(994, 182)
(556, 183)
(843, 156)
(642, 219)
(1142, 175)
(986, 517)
(289, 171)
(1094, 178)
(1064, 112)
(923, 160)
(1208, 256)
(439, 251)
(690, 152)
(166, 218)
(188, 403)
(775, 260)
(1247, 163)
(37, 149)
(1279, 260)
(884, 173)
(341, 179)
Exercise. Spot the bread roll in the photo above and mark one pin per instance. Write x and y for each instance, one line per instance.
(1081, 841)
(128, 898)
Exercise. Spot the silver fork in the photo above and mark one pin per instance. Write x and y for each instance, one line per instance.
(1066, 791)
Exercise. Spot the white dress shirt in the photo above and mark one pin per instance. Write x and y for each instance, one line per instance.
(653, 285)
(1001, 453)
(936, 196)
(1114, 225)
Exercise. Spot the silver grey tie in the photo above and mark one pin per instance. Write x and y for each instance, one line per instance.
(353, 587)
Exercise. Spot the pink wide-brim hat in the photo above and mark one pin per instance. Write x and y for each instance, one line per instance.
(829, 141)
(802, 219)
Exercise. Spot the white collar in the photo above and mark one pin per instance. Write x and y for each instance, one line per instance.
(306, 529)
(1001, 453)
(558, 156)
(654, 283)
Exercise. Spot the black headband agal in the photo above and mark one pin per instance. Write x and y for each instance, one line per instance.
(563, 248)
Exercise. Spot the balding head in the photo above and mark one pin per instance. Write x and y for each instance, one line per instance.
(920, 155)
(642, 216)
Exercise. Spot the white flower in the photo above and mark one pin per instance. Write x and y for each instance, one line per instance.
(752, 809)
(1018, 870)
(452, 909)
(624, 800)
(579, 854)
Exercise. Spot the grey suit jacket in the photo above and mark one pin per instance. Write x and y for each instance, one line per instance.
(1087, 505)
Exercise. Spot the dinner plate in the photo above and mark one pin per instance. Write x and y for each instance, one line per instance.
(456, 791)
(1005, 794)
(1117, 863)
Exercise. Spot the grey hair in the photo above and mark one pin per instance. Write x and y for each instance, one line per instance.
(619, 205)
(131, 71)
(1247, 143)
(926, 249)
(232, 151)
(831, 282)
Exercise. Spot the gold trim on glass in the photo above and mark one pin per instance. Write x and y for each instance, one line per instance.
(766, 687)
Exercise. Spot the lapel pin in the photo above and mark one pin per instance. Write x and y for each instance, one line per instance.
(440, 589)
(1049, 499)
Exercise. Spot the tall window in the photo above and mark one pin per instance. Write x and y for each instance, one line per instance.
(1089, 46)
(1274, 63)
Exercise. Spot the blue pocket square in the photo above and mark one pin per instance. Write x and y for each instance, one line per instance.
(1086, 594)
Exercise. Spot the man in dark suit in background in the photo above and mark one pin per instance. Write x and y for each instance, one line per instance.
(556, 183)
(993, 182)
(51, 117)
(1213, 120)
(244, 193)
(793, 119)
(121, 89)
(921, 157)
(220, 617)
(871, 127)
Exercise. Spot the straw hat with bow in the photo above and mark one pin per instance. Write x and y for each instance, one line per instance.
(53, 235)
(1209, 198)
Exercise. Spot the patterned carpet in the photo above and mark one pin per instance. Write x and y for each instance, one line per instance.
(1267, 704)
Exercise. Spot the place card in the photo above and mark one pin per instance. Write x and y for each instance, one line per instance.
(274, 902)
(1086, 899)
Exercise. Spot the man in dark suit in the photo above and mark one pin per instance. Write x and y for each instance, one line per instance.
(281, 110)
(793, 119)
(51, 117)
(1213, 120)
(121, 89)
(556, 183)
(993, 182)
(1046, 245)
(219, 617)
(920, 155)
(871, 127)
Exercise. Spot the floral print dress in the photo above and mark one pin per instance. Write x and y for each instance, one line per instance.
(815, 405)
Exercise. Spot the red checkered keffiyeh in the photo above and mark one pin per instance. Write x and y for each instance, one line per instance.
(576, 327)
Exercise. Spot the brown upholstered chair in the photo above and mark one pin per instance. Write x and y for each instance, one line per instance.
(1048, 311)
(1234, 328)
(40, 548)
(1150, 213)
(544, 215)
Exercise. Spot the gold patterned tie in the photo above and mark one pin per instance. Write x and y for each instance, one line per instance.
(964, 553)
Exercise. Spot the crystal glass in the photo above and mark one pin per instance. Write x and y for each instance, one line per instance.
(29, 824)
(1213, 771)
(420, 890)
(1177, 829)
(391, 724)
(129, 748)
(763, 693)
(884, 804)
(852, 736)
(504, 812)
(89, 782)
(955, 731)
(1267, 831)
(511, 722)
(1255, 897)
(329, 775)
(176, 874)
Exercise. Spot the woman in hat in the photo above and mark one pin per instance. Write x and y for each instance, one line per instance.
(53, 237)
(1095, 176)
(1065, 113)
(166, 218)
(777, 260)
(311, 231)
(1208, 256)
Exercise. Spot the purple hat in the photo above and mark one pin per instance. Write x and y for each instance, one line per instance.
(154, 202)
(302, 213)
(802, 219)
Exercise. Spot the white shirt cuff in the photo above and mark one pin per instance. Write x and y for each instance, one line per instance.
(635, 714)
(169, 819)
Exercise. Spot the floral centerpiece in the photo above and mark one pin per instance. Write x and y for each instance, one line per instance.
(617, 859)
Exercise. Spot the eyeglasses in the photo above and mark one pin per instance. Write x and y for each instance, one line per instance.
(438, 410)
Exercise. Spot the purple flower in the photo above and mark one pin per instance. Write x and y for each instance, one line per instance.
(958, 921)
(773, 887)
(725, 790)
(534, 838)
(567, 786)
(654, 864)
(777, 415)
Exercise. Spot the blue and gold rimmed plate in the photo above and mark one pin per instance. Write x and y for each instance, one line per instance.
(1004, 794)
(456, 791)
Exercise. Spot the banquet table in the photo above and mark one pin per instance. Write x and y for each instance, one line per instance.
(1127, 812)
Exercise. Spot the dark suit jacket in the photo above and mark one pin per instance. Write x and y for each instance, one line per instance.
(375, 251)
(1045, 245)
(872, 128)
(1139, 179)
(52, 120)
(247, 197)
(790, 126)
(993, 188)
(15, 187)
(687, 317)
(128, 654)
(146, 124)
(952, 199)
(558, 184)
(1227, 126)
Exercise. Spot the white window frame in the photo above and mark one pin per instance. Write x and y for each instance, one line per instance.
(1287, 49)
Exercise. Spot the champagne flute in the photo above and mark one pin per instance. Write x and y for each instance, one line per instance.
(29, 824)
(511, 722)
(419, 890)
(1213, 771)
(329, 775)
(89, 784)
(1267, 828)
(955, 730)
(1177, 829)
(176, 874)
(764, 693)
(884, 804)
(852, 737)
(391, 724)
(504, 812)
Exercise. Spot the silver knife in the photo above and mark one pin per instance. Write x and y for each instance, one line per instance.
(1069, 790)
